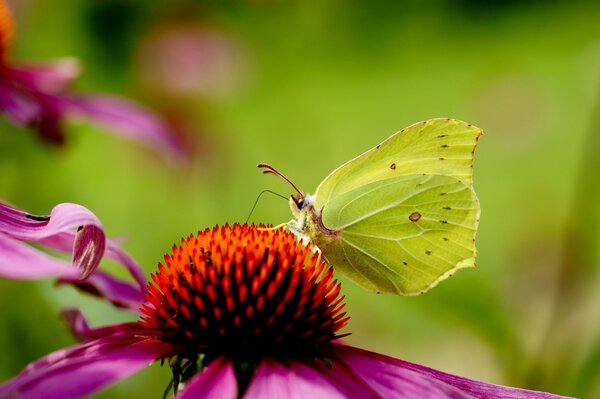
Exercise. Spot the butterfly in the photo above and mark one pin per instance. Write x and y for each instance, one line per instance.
(402, 216)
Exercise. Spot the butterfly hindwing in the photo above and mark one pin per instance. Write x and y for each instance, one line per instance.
(403, 235)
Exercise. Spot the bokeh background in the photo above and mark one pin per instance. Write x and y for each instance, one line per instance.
(306, 86)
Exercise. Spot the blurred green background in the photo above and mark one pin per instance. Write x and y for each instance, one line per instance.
(306, 86)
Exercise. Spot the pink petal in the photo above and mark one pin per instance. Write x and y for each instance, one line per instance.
(130, 119)
(217, 381)
(68, 224)
(81, 330)
(116, 253)
(64, 218)
(299, 381)
(82, 369)
(20, 108)
(69, 227)
(49, 77)
(73, 229)
(394, 378)
(22, 262)
(120, 293)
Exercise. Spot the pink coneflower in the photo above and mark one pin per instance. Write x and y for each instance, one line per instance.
(73, 229)
(37, 96)
(241, 312)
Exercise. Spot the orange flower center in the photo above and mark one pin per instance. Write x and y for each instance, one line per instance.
(244, 291)
(7, 26)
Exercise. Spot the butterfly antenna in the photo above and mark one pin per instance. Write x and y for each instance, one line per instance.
(269, 169)
(258, 197)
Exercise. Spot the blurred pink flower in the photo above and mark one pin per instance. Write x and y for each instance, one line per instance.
(241, 312)
(73, 229)
(37, 96)
(188, 60)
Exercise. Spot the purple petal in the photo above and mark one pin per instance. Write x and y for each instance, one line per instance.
(299, 381)
(50, 77)
(87, 242)
(217, 381)
(394, 378)
(82, 369)
(120, 293)
(116, 253)
(73, 229)
(81, 330)
(22, 262)
(132, 120)
(22, 109)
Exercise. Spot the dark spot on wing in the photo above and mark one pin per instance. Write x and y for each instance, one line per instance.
(444, 221)
(379, 145)
(415, 216)
(447, 208)
(38, 218)
(428, 252)
(405, 264)
(445, 238)
(442, 136)
(442, 193)
(444, 146)
(393, 166)
(442, 158)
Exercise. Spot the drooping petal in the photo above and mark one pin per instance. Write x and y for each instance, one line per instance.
(216, 381)
(73, 229)
(48, 77)
(120, 293)
(67, 224)
(116, 253)
(394, 378)
(81, 330)
(20, 108)
(82, 369)
(22, 262)
(127, 118)
(300, 381)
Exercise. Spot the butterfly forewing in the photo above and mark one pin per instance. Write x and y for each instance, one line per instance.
(405, 234)
(434, 147)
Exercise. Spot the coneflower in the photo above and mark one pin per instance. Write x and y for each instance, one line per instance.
(247, 312)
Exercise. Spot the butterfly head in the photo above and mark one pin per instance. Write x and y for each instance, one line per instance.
(301, 204)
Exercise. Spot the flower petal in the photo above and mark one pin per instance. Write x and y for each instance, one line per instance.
(394, 378)
(73, 229)
(120, 293)
(299, 381)
(116, 253)
(20, 108)
(82, 369)
(22, 262)
(131, 119)
(217, 381)
(81, 330)
(57, 231)
(49, 77)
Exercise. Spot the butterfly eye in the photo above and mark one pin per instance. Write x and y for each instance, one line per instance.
(300, 202)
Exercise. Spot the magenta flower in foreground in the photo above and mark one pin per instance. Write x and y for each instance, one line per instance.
(241, 312)
(72, 229)
(37, 96)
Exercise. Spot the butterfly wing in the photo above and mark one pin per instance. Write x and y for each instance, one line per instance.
(405, 211)
(405, 234)
(435, 147)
